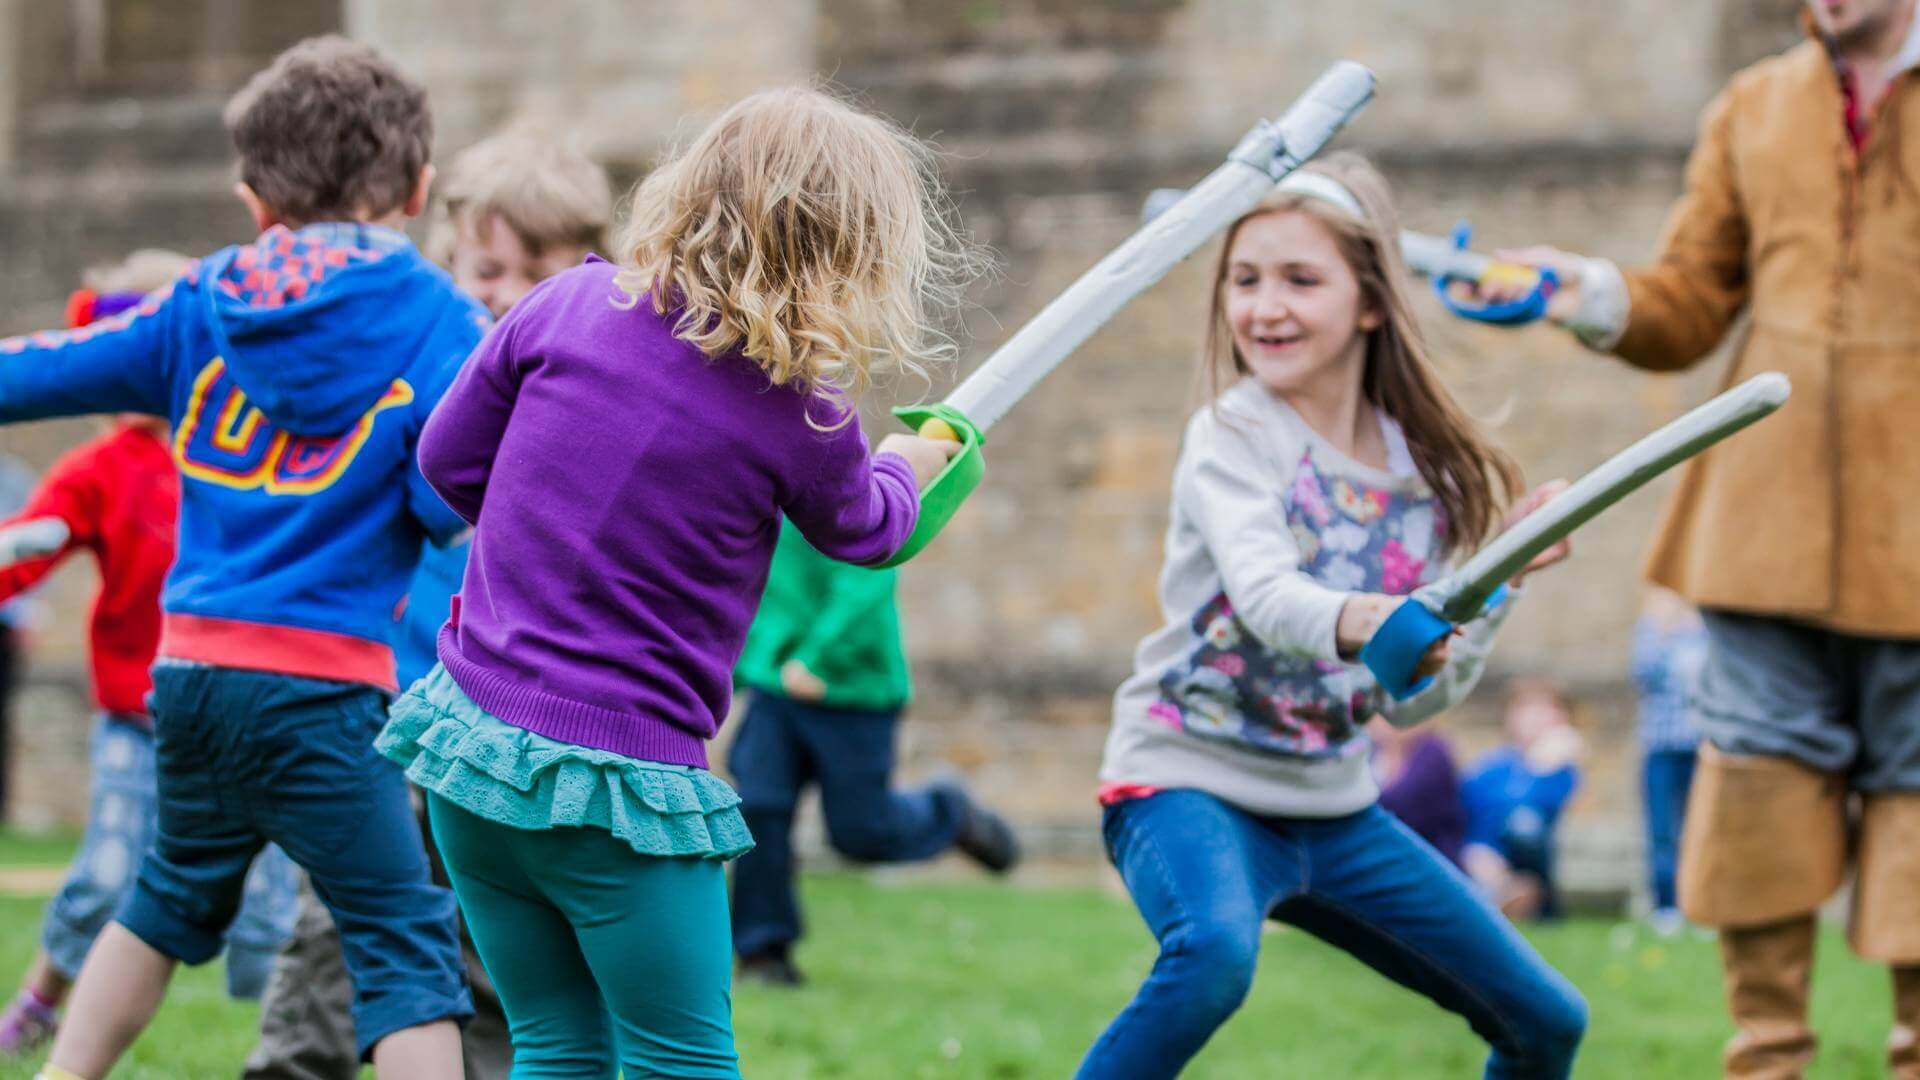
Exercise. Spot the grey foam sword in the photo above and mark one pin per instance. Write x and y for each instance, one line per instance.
(1443, 259)
(1261, 159)
(1433, 611)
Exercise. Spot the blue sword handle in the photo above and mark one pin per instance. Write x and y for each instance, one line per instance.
(1518, 312)
(1394, 650)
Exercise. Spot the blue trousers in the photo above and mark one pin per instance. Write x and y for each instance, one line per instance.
(783, 745)
(1206, 876)
(1666, 776)
(1529, 846)
(120, 826)
(247, 758)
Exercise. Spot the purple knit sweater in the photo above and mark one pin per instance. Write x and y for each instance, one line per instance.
(626, 494)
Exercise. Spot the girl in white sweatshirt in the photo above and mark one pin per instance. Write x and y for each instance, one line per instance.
(1333, 475)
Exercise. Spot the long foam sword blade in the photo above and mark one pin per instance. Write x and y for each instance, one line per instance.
(1268, 153)
(1426, 254)
(1436, 256)
(1460, 595)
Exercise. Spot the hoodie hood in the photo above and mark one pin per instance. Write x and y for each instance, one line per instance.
(305, 319)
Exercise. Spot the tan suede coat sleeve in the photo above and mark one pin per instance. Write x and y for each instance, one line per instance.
(1682, 305)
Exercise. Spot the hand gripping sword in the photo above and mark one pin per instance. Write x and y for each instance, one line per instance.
(1432, 612)
(1261, 159)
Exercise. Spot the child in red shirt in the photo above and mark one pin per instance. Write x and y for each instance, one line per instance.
(117, 496)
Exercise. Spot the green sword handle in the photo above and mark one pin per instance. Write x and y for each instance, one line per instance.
(953, 484)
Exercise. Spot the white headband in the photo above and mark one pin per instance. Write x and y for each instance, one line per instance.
(1320, 186)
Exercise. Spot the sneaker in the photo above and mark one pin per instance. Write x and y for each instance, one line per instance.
(984, 835)
(27, 1025)
(1666, 922)
(773, 968)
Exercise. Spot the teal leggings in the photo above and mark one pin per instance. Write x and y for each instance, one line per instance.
(603, 958)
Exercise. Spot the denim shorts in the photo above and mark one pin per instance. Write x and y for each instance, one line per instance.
(119, 831)
(250, 757)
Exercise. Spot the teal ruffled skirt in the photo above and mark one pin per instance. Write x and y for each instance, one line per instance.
(486, 766)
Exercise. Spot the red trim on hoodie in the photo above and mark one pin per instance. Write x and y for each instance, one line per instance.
(251, 646)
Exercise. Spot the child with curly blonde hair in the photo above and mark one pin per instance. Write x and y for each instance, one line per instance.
(626, 443)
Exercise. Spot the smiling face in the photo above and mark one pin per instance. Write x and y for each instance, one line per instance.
(1296, 311)
(493, 266)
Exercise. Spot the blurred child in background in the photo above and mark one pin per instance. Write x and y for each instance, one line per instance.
(1514, 796)
(828, 672)
(1419, 783)
(1669, 650)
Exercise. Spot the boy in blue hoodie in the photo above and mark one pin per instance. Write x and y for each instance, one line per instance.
(297, 371)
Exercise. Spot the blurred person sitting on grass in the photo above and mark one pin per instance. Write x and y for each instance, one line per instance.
(1514, 796)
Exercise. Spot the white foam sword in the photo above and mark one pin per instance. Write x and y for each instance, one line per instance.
(1433, 611)
(1259, 161)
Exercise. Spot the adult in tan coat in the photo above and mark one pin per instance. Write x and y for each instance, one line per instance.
(1800, 539)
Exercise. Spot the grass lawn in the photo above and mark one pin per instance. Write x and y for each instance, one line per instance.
(914, 977)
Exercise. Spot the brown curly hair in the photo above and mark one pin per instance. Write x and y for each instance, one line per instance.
(330, 131)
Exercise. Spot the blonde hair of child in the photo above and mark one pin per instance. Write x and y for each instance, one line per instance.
(1472, 478)
(550, 194)
(144, 271)
(811, 236)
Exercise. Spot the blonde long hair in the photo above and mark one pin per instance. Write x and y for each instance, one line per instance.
(811, 236)
(1473, 479)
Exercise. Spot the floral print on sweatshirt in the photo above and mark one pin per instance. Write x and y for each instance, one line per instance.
(1352, 537)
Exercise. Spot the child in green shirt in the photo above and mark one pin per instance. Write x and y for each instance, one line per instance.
(829, 677)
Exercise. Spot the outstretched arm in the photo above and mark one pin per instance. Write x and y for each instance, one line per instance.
(859, 507)
(119, 364)
(58, 519)
(1671, 314)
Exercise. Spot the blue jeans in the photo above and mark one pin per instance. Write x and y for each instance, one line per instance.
(120, 811)
(782, 746)
(251, 757)
(1665, 776)
(1206, 876)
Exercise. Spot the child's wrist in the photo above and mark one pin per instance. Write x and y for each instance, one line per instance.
(1360, 618)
